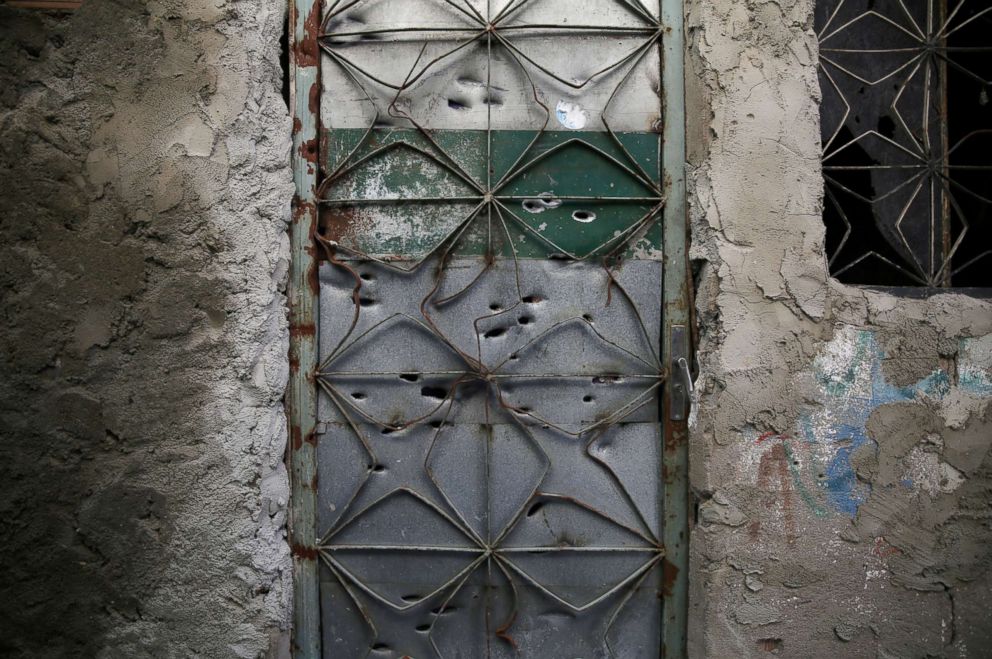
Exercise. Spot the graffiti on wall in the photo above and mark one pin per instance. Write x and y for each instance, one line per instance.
(813, 465)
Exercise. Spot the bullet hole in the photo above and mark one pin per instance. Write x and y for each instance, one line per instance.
(358, 395)
(583, 216)
(409, 377)
(544, 201)
(388, 431)
(536, 508)
(444, 610)
(437, 423)
(423, 629)
(533, 299)
(525, 320)
(495, 332)
(366, 302)
(587, 317)
(493, 101)
(380, 647)
(412, 598)
(495, 306)
(558, 256)
(434, 392)
(367, 276)
(588, 399)
(524, 410)
(458, 105)
(514, 357)
(378, 469)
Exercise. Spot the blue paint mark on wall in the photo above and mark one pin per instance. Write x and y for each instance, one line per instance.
(851, 385)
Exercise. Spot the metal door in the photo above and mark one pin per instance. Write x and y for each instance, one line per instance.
(489, 232)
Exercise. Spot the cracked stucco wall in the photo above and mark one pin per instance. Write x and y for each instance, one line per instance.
(840, 443)
(144, 152)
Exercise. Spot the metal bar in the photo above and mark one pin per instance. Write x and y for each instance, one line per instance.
(301, 394)
(943, 271)
(675, 473)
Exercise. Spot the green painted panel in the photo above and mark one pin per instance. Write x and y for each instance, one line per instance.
(399, 194)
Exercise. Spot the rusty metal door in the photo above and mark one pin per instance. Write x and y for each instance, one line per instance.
(489, 233)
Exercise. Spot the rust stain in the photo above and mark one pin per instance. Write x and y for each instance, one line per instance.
(311, 438)
(297, 125)
(313, 102)
(669, 575)
(313, 276)
(674, 437)
(503, 632)
(295, 437)
(301, 209)
(303, 552)
(304, 329)
(308, 150)
(306, 50)
(338, 224)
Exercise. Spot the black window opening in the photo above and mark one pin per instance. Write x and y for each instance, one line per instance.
(906, 124)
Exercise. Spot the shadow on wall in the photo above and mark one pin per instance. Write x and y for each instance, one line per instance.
(121, 510)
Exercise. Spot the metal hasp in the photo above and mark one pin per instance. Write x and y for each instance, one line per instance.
(681, 381)
(492, 234)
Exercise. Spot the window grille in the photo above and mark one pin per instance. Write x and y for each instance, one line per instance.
(907, 140)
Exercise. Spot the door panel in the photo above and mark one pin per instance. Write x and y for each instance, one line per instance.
(489, 442)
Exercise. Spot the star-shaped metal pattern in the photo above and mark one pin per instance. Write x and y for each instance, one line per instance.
(490, 323)
(905, 178)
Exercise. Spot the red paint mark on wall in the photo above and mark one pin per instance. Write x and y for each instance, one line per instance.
(775, 482)
(883, 549)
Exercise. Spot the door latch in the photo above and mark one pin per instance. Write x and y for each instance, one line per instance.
(681, 384)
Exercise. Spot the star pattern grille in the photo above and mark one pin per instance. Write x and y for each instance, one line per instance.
(906, 137)
(490, 323)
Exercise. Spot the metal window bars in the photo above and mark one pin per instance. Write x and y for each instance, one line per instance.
(906, 140)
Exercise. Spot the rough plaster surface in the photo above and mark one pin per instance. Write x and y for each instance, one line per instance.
(144, 158)
(841, 440)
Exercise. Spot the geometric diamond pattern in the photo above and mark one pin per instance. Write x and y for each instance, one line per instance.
(489, 462)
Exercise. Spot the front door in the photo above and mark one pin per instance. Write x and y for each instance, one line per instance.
(492, 197)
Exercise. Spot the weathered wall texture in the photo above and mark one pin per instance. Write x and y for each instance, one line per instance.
(840, 447)
(144, 162)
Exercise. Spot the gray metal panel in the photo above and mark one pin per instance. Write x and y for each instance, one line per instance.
(524, 325)
(491, 453)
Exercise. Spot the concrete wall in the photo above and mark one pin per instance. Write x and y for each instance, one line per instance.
(144, 152)
(840, 445)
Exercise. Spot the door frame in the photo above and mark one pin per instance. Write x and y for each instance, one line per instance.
(303, 291)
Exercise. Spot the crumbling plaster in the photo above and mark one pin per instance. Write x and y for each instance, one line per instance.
(144, 154)
(840, 439)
